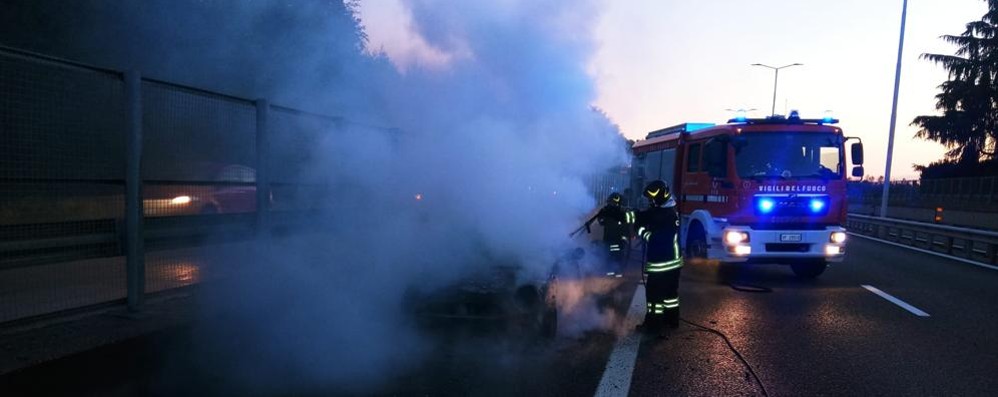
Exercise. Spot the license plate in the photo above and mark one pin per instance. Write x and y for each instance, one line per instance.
(790, 237)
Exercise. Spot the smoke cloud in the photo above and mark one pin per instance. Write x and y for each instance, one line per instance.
(487, 168)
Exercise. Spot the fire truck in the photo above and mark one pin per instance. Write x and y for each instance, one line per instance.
(755, 191)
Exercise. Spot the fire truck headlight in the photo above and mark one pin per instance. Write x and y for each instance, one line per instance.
(816, 205)
(733, 237)
(831, 250)
(838, 237)
(765, 205)
(742, 250)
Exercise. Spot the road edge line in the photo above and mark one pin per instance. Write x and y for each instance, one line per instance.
(895, 300)
(616, 380)
(922, 250)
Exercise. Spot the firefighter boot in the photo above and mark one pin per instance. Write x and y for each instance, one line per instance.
(671, 319)
(652, 324)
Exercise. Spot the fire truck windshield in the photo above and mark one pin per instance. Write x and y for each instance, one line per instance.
(789, 155)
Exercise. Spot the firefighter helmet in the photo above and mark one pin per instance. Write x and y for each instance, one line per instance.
(614, 199)
(657, 192)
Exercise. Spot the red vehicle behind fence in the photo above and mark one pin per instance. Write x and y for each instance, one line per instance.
(232, 191)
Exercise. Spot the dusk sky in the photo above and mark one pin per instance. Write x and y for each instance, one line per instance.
(661, 63)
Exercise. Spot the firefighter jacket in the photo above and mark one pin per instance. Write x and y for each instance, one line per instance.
(659, 228)
(615, 220)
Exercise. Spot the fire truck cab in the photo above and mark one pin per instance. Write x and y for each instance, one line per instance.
(767, 190)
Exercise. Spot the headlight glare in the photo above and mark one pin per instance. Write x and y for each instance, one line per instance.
(733, 237)
(838, 237)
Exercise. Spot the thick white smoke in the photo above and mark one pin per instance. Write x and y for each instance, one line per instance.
(497, 144)
(505, 134)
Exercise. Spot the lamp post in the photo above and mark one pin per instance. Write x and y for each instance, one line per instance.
(776, 78)
(894, 116)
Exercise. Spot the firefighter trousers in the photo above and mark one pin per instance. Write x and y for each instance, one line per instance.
(662, 295)
(616, 254)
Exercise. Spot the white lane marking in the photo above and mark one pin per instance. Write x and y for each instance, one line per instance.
(616, 379)
(940, 254)
(904, 305)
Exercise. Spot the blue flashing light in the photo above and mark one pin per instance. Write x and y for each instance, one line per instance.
(690, 127)
(828, 119)
(741, 116)
(816, 205)
(766, 205)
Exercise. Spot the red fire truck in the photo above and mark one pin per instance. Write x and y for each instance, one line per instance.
(769, 190)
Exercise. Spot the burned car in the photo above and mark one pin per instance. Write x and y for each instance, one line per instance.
(499, 298)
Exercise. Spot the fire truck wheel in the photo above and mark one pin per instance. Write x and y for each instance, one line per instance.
(809, 270)
(696, 244)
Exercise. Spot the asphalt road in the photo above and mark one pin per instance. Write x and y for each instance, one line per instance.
(830, 336)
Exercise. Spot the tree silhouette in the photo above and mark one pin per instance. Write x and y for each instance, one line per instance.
(307, 54)
(968, 126)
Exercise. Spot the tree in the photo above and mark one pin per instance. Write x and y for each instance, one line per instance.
(968, 126)
(307, 54)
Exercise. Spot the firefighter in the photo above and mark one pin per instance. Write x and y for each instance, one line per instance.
(615, 220)
(658, 226)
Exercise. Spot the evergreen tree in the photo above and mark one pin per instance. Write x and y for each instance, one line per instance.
(968, 125)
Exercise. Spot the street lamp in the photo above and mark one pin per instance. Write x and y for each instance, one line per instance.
(894, 116)
(776, 79)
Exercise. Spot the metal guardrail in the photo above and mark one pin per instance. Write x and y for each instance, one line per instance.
(975, 245)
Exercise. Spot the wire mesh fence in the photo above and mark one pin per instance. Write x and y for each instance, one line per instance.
(294, 134)
(199, 172)
(61, 185)
(612, 181)
(64, 154)
(83, 147)
(190, 135)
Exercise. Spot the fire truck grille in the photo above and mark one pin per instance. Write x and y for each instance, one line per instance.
(787, 247)
(791, 205)
(791, 226)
